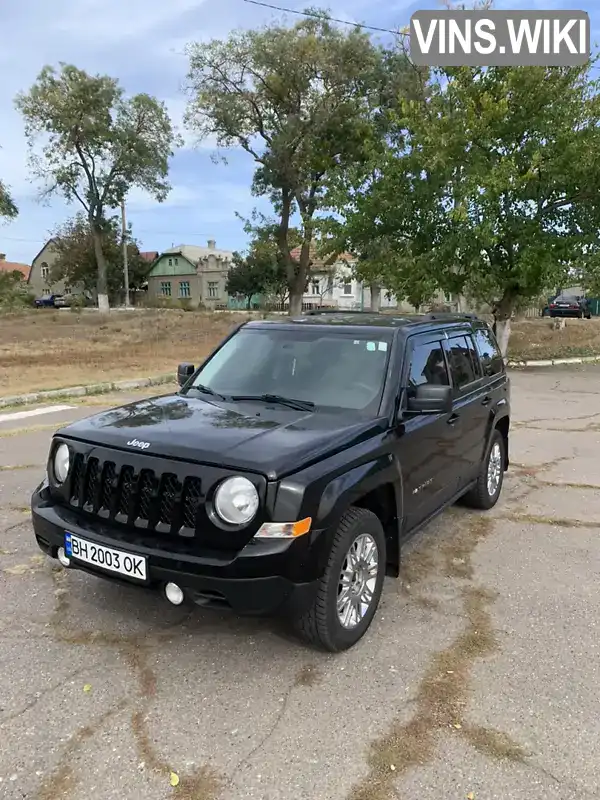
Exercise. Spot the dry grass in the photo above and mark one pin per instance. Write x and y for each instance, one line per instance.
(535, 339)
(52, 350)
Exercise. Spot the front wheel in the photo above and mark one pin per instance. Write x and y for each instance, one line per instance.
(484, 495)
(348, 594)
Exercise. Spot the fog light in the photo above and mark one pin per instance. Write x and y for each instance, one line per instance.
(63, 557)
(174, 594)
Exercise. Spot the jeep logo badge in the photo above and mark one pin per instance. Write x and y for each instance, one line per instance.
(137, 443)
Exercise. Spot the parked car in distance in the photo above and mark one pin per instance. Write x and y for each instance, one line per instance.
(51, 301)
(564, 305)
(288, 470)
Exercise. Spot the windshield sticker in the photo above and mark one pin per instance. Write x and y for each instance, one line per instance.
(371, 346)
(383, 346)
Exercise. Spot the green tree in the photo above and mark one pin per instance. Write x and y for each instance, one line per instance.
(75, 263)
(304, 101)
(262, 269)
(14, 291)
(7, 207)
(96, 145)
(490, 184)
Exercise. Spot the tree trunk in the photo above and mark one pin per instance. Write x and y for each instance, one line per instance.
(298, 275)
(296, 294)
(503, 312)
(102, 282)
(375, 290)
(503, 334)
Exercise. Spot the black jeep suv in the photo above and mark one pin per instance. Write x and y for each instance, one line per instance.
(288, 469)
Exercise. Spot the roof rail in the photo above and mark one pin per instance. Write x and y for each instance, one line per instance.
(316, 311)
(451, 315)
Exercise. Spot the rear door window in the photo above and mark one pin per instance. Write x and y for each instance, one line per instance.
(464, 364)
(489, 352)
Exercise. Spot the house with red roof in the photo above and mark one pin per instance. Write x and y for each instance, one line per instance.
(14, 266)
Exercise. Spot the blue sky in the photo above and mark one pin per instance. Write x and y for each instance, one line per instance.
(141, 42)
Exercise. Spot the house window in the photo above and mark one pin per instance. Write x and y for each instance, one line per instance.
(170, 262)
(213, 289)
(448, 297)
(46, 292)
(315, 287)
(45, 270)
(176, 261)
(67, 290)
(348, 287)
(184, 289)
(165, 288)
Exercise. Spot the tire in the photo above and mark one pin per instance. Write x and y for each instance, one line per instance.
(320, 624)
(479, 496)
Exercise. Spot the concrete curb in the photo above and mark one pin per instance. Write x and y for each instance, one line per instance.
(552, 362)
(82, 391)
(158, 380)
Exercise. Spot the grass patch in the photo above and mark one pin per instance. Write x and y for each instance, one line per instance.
(63, 350)
(534, 339)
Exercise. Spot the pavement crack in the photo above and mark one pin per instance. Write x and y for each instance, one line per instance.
(443, 691)
(49, 690)
(578, 791)
(62, 782)
(275, 724)
(535, 519)
(204, 782)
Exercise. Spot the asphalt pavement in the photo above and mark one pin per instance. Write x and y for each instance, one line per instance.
(479, 678)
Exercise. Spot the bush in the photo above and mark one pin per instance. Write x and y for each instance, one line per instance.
(14, 292)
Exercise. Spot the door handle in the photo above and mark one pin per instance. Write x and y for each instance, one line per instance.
(453, 419)
(486, 401)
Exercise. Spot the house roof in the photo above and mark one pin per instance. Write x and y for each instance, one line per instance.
(318, 262)
(149, 255)
(194, 253)
(48, 243)
(15, 266)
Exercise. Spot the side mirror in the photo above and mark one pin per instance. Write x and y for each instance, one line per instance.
(184, 372)
(431, 400)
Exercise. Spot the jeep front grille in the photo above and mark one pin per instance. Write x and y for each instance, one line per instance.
(162, 502)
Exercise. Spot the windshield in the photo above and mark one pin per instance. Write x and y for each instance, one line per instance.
(330, 369)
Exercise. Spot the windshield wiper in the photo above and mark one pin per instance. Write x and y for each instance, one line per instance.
(199, 387)
(290, 402)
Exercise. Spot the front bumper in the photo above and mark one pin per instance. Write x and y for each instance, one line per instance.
(265, 578)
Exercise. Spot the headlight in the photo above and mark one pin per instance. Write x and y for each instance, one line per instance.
(62, 462)
(236, 501)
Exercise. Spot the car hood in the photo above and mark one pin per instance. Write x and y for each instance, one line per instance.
(271, 440)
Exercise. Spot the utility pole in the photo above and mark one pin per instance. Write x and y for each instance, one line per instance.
(125, 265)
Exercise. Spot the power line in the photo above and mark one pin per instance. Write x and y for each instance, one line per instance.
(333, 19)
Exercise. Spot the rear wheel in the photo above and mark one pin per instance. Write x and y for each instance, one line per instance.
(348, 594)
(484, 495)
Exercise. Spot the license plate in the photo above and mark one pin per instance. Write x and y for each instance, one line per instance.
(106, 557)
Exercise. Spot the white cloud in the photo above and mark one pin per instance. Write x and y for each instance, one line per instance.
(179, 197)
(114, 20)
